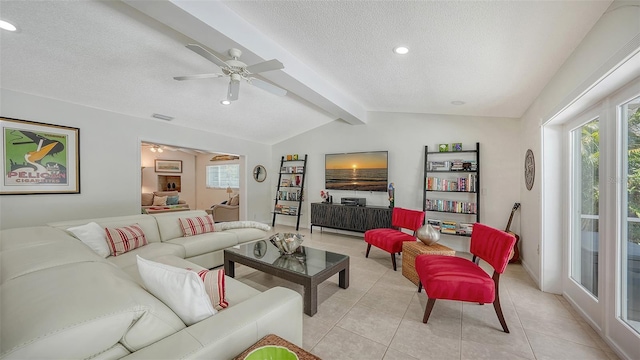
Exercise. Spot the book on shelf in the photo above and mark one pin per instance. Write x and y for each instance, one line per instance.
(299, 169)
(435, 223)
(465, 228)
(466, 184)
(450, 206)
(278, 209)
(285, 182)
(448, 227)
(293, 210)
(284, 169)
(438, 165)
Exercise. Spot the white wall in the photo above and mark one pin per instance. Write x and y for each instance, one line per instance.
(110, 162)
(596, 64)
(404, 137)
(614, 37)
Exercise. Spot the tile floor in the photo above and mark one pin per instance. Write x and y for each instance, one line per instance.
(380, 315)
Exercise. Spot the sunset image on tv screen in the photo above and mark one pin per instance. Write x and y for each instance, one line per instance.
(366, 171)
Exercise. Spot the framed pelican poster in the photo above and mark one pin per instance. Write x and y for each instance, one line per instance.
(39, 158)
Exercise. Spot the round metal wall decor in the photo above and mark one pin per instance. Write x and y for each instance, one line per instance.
(259, 173)
(529, 169)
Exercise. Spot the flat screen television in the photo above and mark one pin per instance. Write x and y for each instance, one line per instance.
(363, 171)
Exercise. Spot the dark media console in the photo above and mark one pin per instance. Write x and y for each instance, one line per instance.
(353, 201)
(350, 218)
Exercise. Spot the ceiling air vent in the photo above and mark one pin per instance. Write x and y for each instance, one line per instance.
(162, 117)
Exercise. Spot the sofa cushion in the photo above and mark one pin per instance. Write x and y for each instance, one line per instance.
(235, 201)
(149, 251)
(248, 234)
(181, 289)
(147, 199)
(92, 235)
(168, 224)
(146, 222)
(206, 243)
(80, 310)
(196, 225)
(125, 239)
(38, 248)
(159, 200)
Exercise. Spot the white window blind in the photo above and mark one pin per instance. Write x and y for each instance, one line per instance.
(223, 176)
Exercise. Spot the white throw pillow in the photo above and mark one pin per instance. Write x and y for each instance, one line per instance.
(180, 289)
(93, 236)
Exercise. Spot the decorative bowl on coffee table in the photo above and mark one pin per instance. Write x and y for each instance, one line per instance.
(287, 243)
(271, 352)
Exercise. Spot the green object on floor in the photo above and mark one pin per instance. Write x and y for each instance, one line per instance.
(271, 352)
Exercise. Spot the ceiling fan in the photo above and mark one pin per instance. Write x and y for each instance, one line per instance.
(236, 70)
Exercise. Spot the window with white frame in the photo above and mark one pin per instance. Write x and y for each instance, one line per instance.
(223, 176)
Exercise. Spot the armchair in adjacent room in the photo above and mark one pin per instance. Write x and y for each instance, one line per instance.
(226, 212)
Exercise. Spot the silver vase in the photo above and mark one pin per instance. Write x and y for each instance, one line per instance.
(428, 235)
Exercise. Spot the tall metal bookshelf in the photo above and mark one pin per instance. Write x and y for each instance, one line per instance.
(451, 188)
(290, 189)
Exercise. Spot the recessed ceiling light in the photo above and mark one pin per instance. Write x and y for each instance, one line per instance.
(458, 102)
(225, 102)
(7, 26)
(401, 50)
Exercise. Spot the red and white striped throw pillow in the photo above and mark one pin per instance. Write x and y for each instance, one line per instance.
(196, 225)
(123, 239)
(215, 287)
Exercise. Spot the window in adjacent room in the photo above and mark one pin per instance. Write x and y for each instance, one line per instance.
(223, 176)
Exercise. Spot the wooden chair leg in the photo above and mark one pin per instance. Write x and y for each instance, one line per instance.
(427, 311)
(496, 304)
(368, 249)
(393, 261)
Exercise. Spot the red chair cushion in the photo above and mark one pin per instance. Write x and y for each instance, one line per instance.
(389, 240)
(454, 278)
(406, 218)
(492, 245)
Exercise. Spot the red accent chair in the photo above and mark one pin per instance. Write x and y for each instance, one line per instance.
(391, 239)
(455, 278)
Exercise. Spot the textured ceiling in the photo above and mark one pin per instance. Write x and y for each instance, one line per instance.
(495, 56)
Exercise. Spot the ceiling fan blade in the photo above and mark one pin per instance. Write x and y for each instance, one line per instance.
(265, 66)
(234, 89)
(268, 87)
(197, 76)
(207, 55)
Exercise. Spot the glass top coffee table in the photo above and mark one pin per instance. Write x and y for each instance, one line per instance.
(307, 266)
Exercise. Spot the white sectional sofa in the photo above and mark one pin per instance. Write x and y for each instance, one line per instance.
(59, 299)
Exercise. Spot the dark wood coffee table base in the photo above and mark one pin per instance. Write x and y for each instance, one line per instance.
(310, 283)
